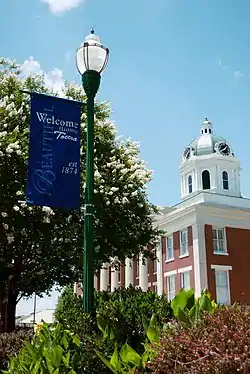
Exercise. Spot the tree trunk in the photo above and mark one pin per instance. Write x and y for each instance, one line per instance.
(10, 307)
(10, 314)
(2, 307)
(2, 316)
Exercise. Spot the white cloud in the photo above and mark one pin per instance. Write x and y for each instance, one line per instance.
(53, 79)
(30, 67)
(222, 65)
(238, 74)
(60, 6)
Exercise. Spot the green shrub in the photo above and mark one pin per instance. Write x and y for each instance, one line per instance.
(186, 309)
(52, 350)
(123, 309)
(11, 344)
(69, 312)
(218, 344)
(127, 360)
(189, 310)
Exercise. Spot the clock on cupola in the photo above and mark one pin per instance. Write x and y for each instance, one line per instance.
(208, 164)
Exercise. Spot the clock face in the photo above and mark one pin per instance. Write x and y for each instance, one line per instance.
(187, 153)
(224, 149)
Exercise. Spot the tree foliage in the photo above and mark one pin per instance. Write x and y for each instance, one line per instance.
(40, 246)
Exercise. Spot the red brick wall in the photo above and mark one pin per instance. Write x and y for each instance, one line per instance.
(238, 248)
(151, 276)
(164, 266)
(173, 265)
(178, 262)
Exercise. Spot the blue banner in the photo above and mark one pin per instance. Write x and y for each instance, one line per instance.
(54, 152)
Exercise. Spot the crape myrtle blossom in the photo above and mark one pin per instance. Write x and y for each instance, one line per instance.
(44, 245)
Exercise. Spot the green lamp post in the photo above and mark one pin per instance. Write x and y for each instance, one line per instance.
(91, 60)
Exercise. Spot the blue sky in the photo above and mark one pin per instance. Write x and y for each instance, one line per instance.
(172, 63)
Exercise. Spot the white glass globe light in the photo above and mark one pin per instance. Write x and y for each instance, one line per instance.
(92, 55)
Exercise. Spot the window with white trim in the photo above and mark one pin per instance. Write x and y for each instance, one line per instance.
(222, 287)
(225, 180)
(185, 280)
(184, 242)
(219, 242)
(170, 248)
(171, 286)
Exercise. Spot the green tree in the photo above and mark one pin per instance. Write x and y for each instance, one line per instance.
(40, 246)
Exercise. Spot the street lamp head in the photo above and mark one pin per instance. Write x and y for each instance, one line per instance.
(92, 55)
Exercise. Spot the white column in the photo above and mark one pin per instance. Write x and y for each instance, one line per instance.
(216, 181)
(200, 261)
(114, 279)
(213, 177)
(95, 282)
(193, 181)
(182, 190)
(129, 273)
(197, 179)
(75, 288)
(233, 182)
(159, 268)
(104, 277)
(238, 181)
(219, 177)
(143, 274)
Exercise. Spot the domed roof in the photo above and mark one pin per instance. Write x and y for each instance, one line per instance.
(207, 143)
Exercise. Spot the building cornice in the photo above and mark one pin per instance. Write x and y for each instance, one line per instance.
(204, 212)
(178, 219)
(208, 161)
(232, 216)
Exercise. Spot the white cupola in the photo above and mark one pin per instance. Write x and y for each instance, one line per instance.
(208, 163)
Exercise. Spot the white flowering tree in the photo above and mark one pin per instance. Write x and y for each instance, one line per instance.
(40, 246)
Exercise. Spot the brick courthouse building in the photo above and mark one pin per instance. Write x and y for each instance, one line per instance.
(208, 232)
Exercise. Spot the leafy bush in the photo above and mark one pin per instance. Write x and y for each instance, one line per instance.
(52, 350)
(125, 309)
(218, 344)
(122, 309)
(11, 344)
(69, 312)
(189, 310)
(127, 360)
